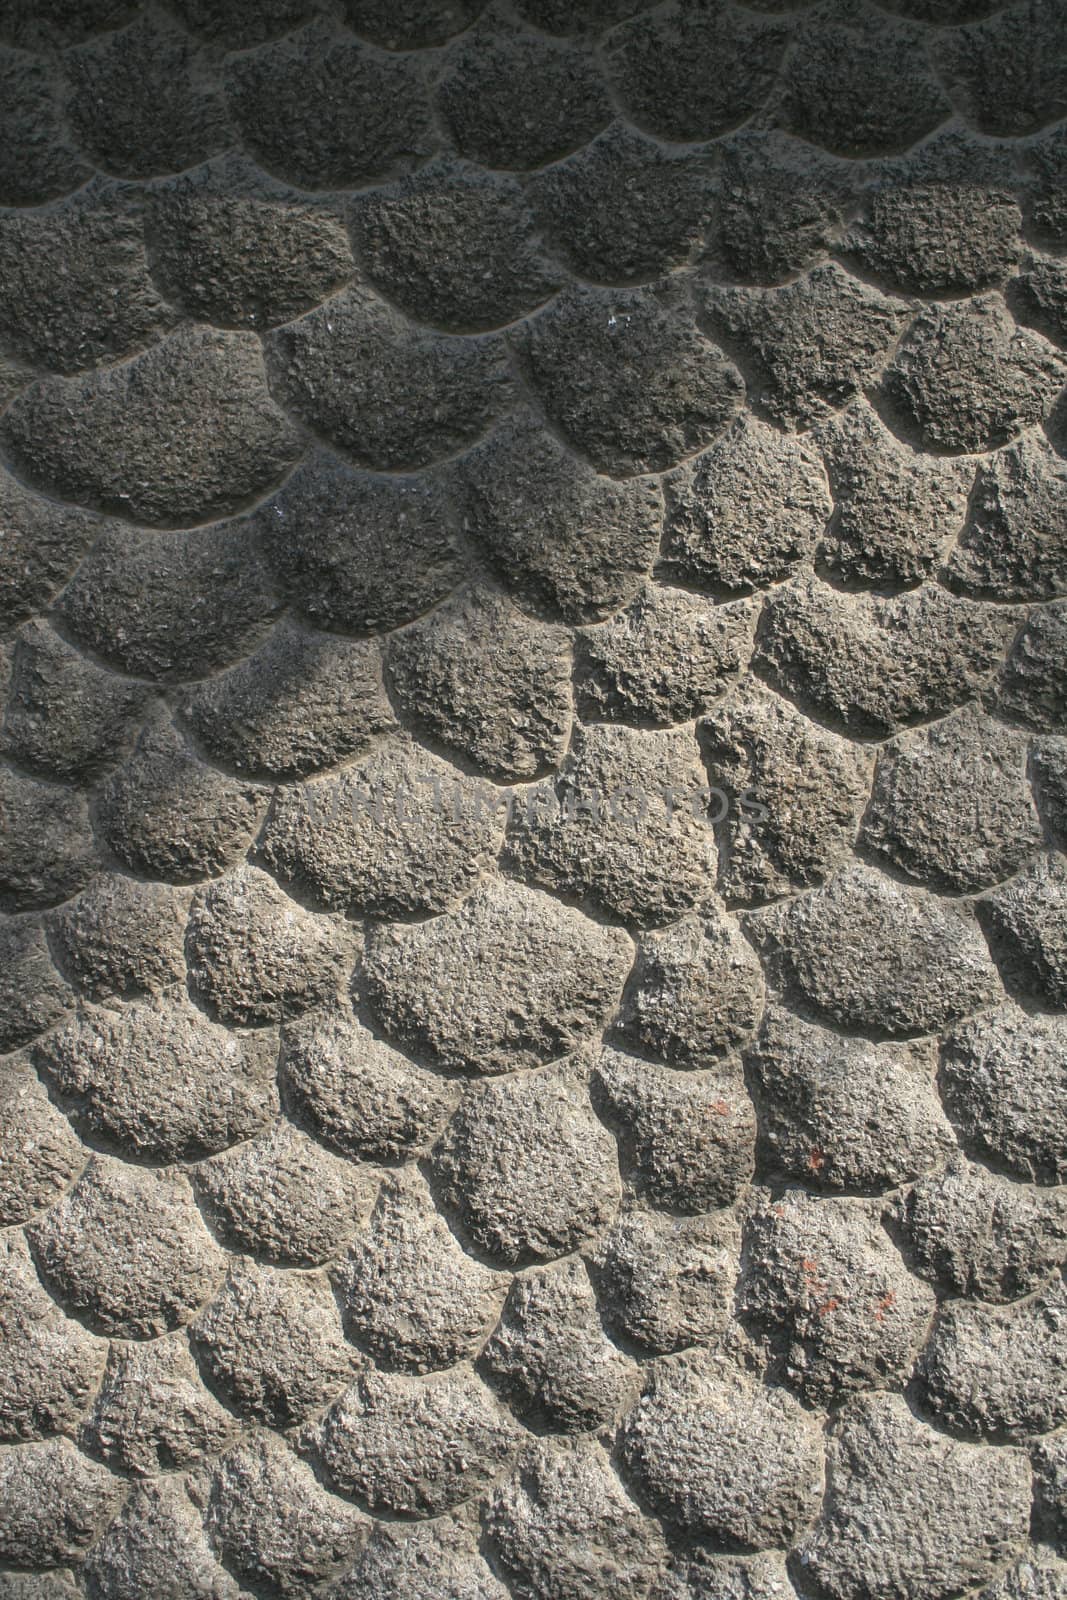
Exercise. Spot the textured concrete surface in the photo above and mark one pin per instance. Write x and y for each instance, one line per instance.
(533, 784)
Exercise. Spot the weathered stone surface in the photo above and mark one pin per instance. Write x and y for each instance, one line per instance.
(273, 1523)
(1040, 1577)
(840, 1113)
(822, 1281)
(858, 86)
(420, 1562)
(46, 843)
(74, 284)
(1049, 1460)
(562, 537)
(64, 717)
(1013, 546)
(906, 1506)
(939, 238)
(624, 209)
(980, 1236)
(39, 159)
(723, 1456)
(877, 959)
(358, 1094)
(302, 702)
(255, 956)
(1040, 298)
(271, 1341)
(895, 508)
(994, 90)
(966, 378)
(283, 1197)
(520, 101)
(633, 386)
(168, 815)
(998, 1372)
(563, 1528)
(159, 1080)
(121, 937)
(743, 513)
(698, 1573)
(522, 1201)
(788, 794)
(156, 1546)
(664, 659)
(242, 259)
(129, 601)
(687, 1140)
(55, 1503)
(814, 344)
(1031, 685)
(49, 1365)
(950, 805)
(549, 1357)
(695, 993)
(41, 545)
(390, 394)
(416, 241)
(659, 65)
(39, 1152)
(1048, 767)
(153, 1413)
(184, 432)
(32, 993)
(488, 683)
(126, 1250)
(1003, 1076)
(625, 824)
(285, 99)
(396, 833)
(1027, 923)
(404, 24)
(356, 552)
(666, 1282)
(415, 1446)
(510, 979)
(410, 1294)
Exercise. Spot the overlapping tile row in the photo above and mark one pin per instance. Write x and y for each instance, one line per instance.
(533, 560)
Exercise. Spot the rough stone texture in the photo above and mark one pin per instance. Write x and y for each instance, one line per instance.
(907, 1506)
(908, 962)
(559, 535)
(495, 495)
(862, 661)
(487, 682)
(841, 1311)
(631, 387)
(521, 1201)
(510, 979)
(950, 804)
(136, 438)
(844, 1114)
(746, 510)
(125, 1249)
(695, 993)
(1002, 1080)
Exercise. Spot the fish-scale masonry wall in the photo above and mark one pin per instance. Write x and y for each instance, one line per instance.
(533, 976)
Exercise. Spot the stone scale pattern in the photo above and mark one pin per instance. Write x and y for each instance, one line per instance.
(433, 398)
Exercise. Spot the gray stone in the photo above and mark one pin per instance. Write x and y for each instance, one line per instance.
(665, 1282)
(156, 1545)
(487, 683)
(49, 1364)
(415, 1446)
(1050, 1489)
(46, 163)
(1027, 923)
(1002, 1078)
(687, 1139)
(779, 207)
(55, 1503)
(521, 1199)
(153, 1413)
(695, 993)
(1013, 545)
(838, 1113)
(823, 1282)
(988, 80)
(1031, 685)
(549, 1356)
(39, 1151)
(64, 717)
(422, 1562)
(126, 1250)
(33, 995)
(46, 843)
(876, 958)
(404, 24)
(411, 1297)
(936, 239)
(121, 937)
(1030, 1579)
(746, 510)
(509, 979)
(159, 1080)
(1048, 769)
(907, 1507)
(721, 1455)
(42, 544)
